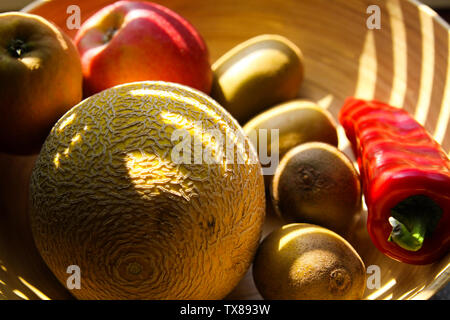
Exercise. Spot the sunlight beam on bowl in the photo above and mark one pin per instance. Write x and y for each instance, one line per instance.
(400, 55)
(367, 70)
(384, 289)
(326, 101)
(444, 114)
(35, 290)
(428, 65)
(20, 294)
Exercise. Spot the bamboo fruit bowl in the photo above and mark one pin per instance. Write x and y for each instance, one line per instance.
(405, 63)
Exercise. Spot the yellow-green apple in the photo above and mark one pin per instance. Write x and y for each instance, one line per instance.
(130, 41)
(40, 79)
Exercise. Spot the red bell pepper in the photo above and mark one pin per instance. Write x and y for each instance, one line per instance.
(406, 181)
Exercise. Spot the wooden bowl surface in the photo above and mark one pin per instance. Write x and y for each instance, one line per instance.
(405, 63)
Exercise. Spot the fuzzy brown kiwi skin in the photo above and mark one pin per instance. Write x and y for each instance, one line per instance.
(302, 261)
(316, 183)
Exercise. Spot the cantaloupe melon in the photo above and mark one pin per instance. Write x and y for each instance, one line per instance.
(107, 196)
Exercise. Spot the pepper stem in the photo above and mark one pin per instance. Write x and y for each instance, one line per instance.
(413, 220)
(409, 240)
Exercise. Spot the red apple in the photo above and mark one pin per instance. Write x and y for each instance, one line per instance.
(131, 41)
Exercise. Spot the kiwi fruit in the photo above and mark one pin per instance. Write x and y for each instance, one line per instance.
(317, 183)
(256, 74)
(302, 261)
(297, 121)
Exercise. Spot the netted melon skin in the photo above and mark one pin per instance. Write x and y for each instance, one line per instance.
(106, 196)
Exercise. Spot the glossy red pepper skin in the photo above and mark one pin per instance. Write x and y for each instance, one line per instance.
(397, 159)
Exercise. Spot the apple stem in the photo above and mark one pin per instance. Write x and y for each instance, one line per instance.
(17, 48)
(109, 34)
